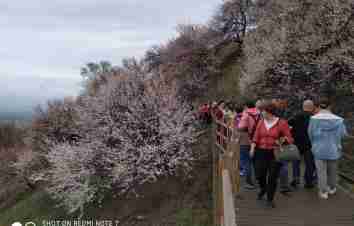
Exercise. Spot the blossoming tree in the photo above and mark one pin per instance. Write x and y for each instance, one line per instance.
(128, 136)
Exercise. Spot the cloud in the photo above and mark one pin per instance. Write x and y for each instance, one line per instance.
(45, 43)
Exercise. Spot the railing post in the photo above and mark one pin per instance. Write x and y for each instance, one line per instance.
(215, 176)
(235, 155)
(229, 208)
(226, 154)
(220, 190)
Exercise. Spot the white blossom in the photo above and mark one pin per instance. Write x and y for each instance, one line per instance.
(128, 136)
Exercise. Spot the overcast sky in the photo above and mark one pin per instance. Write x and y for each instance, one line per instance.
(44, 43)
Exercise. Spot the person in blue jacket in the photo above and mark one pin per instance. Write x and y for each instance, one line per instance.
(326, 131)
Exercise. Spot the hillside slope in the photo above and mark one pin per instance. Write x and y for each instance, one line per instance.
(170, 201)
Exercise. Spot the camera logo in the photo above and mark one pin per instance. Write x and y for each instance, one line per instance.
(16, 224)
(30, 224)
(26, 224)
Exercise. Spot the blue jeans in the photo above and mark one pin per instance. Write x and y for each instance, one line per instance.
(244, 158)
(246, 164)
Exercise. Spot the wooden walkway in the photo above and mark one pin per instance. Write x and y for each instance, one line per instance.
(302, 208)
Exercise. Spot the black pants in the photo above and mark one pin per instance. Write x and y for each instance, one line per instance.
(267, 172)
(310, 167)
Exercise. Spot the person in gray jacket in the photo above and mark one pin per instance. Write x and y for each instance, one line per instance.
(326, 131)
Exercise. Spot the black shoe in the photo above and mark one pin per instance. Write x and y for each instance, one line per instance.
(285, 190)
(270, 204)
(309, 186)
(294, 183)
(260, 195)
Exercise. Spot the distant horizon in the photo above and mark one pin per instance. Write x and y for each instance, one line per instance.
(10, 116)
(25, 112)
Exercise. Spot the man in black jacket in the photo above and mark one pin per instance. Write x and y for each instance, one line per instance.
(299, 124)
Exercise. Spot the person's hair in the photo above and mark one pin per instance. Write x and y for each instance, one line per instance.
(238, 109)
(250, 104)
(308, 105)
(269, 107)
(220, 102)
(324, 102)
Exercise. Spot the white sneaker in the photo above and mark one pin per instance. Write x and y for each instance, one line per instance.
(323, 195)
(332, 191)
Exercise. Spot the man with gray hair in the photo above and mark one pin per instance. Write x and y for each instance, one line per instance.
(299, 124)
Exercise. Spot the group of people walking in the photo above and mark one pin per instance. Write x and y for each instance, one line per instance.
(262, 127)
